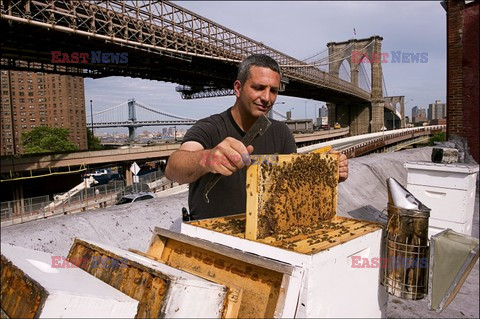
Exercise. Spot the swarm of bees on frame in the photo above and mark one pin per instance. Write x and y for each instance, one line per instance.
(231, 226)
(298, 193)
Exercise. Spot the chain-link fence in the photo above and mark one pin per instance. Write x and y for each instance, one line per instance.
(150, 177)
(19, 211)
(22, 208)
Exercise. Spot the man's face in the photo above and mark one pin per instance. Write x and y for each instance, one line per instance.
(259, 92)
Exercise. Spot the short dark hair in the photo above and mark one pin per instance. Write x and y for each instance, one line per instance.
(260, 60)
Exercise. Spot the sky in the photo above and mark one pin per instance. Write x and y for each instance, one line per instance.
(302, 29)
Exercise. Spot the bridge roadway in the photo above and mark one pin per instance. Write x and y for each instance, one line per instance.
(357, 145)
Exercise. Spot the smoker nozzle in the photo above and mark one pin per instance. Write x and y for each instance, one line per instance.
(400, 197)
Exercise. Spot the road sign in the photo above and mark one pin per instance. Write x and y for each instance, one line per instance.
(135, 168)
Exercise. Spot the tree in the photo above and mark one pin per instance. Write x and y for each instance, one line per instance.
(93, 141)
(43, 139)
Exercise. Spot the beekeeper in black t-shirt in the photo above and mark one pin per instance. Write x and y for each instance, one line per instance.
(213, 144)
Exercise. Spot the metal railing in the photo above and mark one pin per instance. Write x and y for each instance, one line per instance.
(20, 211)
(150, 177)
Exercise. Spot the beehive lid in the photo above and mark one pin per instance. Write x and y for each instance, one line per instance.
(430, 166)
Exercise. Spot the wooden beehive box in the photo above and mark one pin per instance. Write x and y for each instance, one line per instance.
(35, 284)
(258, 287)
(162, 291)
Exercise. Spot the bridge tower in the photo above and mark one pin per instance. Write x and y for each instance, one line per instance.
(132, 116)
(361, 118)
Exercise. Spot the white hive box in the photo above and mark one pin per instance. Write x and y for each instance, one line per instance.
(330, 287)
(32, 288)
(162, 291)
(448, 190)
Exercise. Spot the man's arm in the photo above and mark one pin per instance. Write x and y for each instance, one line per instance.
(191, 161)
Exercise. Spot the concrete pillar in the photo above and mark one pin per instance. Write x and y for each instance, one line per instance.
(128, 174)
(332, 113)
(18, 197)
(377, 116)
(334, 64)
(402, 113)
(360, 119)
(132, 116)
(354, 62)
(131, 133)
(343, 114)
(377, 88)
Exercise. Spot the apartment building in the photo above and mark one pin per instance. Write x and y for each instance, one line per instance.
(30, 99)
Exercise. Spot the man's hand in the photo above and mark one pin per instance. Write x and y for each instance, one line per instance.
(342, 166)
(227, 157)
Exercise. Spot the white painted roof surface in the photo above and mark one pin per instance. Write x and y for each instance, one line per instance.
(363, 195)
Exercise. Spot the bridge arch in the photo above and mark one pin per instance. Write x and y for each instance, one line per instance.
(396, 104)
(356, 51)
(367, 51)
(344, 71)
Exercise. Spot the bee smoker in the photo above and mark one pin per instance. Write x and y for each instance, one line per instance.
(406, 246)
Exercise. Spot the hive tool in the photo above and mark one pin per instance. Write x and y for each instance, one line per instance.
(259, 128)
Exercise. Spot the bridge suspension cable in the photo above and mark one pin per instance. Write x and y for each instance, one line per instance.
(109, 109)
(384, 86)
(320, 62)
(365, 77)
(328, 57)
(346, 72)
(314, 55)
(151, 109)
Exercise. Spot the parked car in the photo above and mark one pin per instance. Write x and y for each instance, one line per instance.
(337, 126)
(326, 127)
(136, 197)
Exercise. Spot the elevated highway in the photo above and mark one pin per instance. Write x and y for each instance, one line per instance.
(78, 161)
(81, 160)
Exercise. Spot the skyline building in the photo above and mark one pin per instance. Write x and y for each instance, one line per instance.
(418, 115)
(31, 99)
(437, 110)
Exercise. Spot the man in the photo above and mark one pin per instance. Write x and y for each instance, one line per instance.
(213, 144)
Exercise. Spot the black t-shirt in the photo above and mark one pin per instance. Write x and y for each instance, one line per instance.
(228, 197)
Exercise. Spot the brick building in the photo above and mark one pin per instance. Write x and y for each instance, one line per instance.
(31, 99)
(463, 115)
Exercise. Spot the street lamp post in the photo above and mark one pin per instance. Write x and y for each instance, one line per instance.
(91, 120)
(91, 114)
